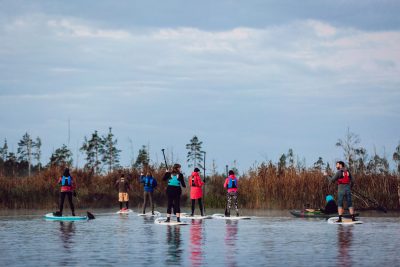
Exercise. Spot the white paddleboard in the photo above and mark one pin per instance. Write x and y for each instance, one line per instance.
(161, 221)
(195, 217)
(345, 221)
(223, 217)
(50, 216)
(124, 211)
(148, 214)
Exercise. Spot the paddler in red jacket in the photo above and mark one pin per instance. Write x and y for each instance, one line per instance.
(196, 191)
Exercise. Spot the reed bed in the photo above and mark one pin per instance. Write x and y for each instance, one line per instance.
(261, 187)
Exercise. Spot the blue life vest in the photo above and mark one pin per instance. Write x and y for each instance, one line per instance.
(66, 181)
(174, 180)
(148, 182)
(232, 183)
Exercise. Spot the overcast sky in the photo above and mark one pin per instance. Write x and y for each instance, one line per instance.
(250, 78)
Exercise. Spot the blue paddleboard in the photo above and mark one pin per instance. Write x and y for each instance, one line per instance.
(51, 217)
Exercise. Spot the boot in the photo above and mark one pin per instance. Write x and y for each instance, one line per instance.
(178, 219)
(168, 220)
(228, 214)
(340, 219)
(353, 218)
(237, 214)
(73, 213)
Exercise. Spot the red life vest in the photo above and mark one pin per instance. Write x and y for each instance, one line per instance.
(345, 179)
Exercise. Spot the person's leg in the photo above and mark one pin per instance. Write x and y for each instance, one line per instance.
(151, 202)
(145, 202)
(62, 197)
(169, 207)
(229, 204)
(71, 205)
(350, 203)
(340, 203)
(193, 202)
(177, 205)
(201, 206)
(235, 199)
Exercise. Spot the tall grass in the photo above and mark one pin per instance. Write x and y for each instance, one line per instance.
(261, 187)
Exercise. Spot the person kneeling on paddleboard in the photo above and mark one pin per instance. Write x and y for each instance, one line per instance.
(231, 184)
(68, 187)
(174, 191)
(149, 184)
(330, 206)
(123, 187)
(345, 182)
(196, 192)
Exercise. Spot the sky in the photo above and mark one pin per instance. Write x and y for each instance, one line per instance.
(251, 79)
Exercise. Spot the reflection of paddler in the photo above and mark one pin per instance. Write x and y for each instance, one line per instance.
(345, 236)
(196, 237)
(230, 242)
(174, 252)
(174, 191)
(67, 230)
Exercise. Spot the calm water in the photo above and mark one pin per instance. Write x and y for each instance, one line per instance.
(268, 239)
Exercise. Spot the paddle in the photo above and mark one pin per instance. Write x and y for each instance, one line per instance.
(378, 206)
(165, 160)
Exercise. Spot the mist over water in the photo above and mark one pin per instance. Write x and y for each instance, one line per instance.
(270, 238)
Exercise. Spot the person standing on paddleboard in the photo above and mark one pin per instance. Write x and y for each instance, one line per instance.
(123, 186)
(345, 182)
(196, 191)
(149, 184)
(231, 184)
(68, 187)
(174, 191)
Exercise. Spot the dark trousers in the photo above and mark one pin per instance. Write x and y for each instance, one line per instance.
(200, 205)
(62, 198)
(150, 196)
(174, 201)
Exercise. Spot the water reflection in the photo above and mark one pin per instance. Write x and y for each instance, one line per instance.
(230, 242)
(67, 230)
(195, 247)
(174, 240)
(345, 236)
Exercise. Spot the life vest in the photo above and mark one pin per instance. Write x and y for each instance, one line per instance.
(174, 180)
(232, 183)
(345, 179)
(66, 181)
(148, 182)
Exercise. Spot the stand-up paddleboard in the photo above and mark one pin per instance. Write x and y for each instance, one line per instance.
(124, 211)
(51, 217)
(223, 217)
(161, 221)
(195, 217)
(149, 214)
(345, 221)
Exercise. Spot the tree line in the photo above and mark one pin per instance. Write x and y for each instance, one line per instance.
(103, 156)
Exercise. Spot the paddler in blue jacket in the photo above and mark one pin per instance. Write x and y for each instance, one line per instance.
(149, 184)
(174, 191)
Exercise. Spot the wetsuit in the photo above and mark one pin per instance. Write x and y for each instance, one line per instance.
(68, 186)
(174, 191)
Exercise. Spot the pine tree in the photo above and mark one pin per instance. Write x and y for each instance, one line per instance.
(37, 154)
(92, 150)
(25, 146)
(195, 154)
(4, 151)
(109, 151)
(61, 157)
(319, 164)
(143, 158)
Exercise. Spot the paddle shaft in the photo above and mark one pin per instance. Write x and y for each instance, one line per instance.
(165, 160)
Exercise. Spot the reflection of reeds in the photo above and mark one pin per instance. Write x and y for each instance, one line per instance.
(263, 187)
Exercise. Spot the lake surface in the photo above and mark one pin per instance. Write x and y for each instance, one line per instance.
(270, 238)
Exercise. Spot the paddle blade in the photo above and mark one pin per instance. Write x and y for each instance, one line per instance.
(90, 216)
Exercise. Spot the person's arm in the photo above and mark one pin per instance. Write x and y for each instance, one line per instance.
(142, 179)
(335, 177)
(200, 181)
(226, 183)
(182, 180)
(166, 177)
(154, 183)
